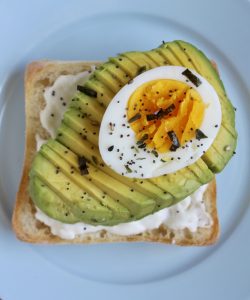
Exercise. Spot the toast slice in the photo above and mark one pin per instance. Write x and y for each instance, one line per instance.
(40, 75)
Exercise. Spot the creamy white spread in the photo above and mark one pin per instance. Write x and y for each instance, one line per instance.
(57, 98)
(189, 213)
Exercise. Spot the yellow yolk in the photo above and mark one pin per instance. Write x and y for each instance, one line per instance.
(160, 106)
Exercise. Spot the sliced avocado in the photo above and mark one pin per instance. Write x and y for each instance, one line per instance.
(156, 57)
(117, 72)
(224, 144)
(108, 80)
(126, 65)
(204, 67)
(120, 213)
(140, 59)
(104, 94)
(82, 205)
(179, 184)
(87, 128)
(168, 56)
(50, 203)
(70, 138)
(190, 61)
(88, 106)
(138, 204)
(187, 55)
(201, 171)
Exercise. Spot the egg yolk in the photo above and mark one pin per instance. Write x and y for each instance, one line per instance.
(159, 109)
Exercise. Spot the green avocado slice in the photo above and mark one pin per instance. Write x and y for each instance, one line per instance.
(120, 213)
(50, 203)
(82, 204)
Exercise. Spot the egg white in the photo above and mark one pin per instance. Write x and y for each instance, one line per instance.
(146, 164)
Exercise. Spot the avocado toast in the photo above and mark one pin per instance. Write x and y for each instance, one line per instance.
(63, 188)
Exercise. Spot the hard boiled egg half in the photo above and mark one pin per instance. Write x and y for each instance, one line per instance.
(162, 121)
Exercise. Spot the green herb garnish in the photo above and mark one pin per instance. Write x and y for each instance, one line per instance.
(193, 78)
(87, 91)
(134, 118)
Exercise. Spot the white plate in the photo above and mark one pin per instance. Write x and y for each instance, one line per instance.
(98, 30)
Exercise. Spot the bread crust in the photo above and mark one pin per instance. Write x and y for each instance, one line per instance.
(39, 75)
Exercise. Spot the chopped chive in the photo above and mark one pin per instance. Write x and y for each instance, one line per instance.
(164, 112)
(199, 134)
(151, 117)
(174, 139)
(193, 78)
(142, 140)
(87, 91)
(136, 150)
(142, 146)
(134, 118)
(128, 169)
(155, 153)
(82, 164)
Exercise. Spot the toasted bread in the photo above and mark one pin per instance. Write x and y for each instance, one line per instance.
(40, 75)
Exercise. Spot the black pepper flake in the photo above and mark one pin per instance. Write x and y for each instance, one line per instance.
(134, 118)
(142, 140)
(151, 117)
(161, 113)
(53, 93)
(140, 158)
(216, 126)
(193, 78)
(142, 146)
(110, 148)
(174, 139)
(87, 91)
(199, 134)
(82, 164)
